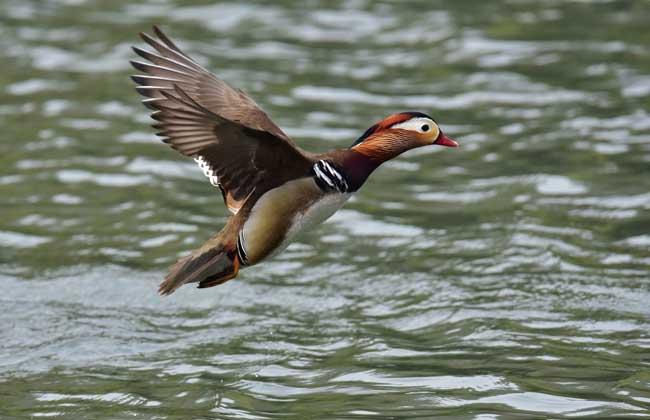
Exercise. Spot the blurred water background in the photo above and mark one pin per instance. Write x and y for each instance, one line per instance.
(509, 278)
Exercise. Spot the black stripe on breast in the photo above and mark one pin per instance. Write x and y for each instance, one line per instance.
(328, 178)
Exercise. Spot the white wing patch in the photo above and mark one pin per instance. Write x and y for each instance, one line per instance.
(207, 170)
(214, 180)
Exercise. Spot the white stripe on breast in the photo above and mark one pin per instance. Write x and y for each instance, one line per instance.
(326, 173)
(322, 176)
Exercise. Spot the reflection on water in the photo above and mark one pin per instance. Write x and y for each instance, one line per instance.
(504, 279)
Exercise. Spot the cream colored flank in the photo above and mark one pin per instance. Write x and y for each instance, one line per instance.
(284, 212)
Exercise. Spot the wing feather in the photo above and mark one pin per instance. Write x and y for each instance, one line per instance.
(233, 140)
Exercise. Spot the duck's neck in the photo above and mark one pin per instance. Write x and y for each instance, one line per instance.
(357, 167)
(362, 159)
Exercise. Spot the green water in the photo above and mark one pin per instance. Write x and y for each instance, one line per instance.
(506, 279)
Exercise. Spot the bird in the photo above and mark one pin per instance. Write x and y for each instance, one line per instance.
(273, 188)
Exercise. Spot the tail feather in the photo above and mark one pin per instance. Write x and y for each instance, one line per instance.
(222, 277)
(214, 266)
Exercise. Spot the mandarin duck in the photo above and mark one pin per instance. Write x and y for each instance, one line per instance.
(274, 189)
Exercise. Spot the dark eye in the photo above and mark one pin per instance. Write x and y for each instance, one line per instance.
(425, 127)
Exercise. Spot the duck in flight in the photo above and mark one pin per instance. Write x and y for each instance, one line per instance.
(274, 189)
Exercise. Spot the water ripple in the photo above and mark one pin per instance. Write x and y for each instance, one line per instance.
(504, 279)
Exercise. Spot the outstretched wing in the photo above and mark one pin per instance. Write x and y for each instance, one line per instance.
(234, 142)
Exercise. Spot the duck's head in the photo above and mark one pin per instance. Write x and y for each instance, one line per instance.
(398, 133)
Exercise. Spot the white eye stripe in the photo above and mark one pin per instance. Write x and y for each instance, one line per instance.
(418, 124)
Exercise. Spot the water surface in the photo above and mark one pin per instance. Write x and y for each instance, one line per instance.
(509, 278)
